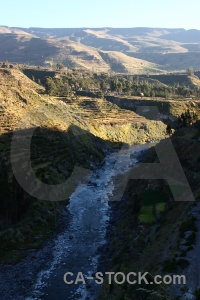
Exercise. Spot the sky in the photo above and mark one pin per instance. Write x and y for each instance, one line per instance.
(100, 13)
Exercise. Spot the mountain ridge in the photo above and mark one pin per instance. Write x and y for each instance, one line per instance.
(161, 49)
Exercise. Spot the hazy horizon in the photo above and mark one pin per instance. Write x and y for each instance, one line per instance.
(102, 27)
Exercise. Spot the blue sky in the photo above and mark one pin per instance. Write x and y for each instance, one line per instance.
(101, 13)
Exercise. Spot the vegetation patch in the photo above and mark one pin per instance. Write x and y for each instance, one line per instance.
(160, 207)
(153, 205)
(30, 233)
(147, 214)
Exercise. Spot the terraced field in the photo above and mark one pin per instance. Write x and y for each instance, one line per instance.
(90, 114)
(69, 130)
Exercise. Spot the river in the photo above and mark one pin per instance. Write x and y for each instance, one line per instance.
(76, 249)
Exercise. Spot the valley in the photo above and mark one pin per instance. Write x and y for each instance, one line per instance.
(103, 125)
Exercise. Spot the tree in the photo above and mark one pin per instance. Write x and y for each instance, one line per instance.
(187, 118)
(103, 86)
(50, 86)
(59, 66)
(190, 72)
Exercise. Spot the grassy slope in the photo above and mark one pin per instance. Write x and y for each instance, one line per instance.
(181, 79)
(90, 114)
(171, 61)
(70, 132)
(122, 63)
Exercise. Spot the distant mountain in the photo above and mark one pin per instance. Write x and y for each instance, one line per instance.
(184, 36)
(123, 50)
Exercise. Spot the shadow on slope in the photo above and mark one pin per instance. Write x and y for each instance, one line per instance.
(54, 155)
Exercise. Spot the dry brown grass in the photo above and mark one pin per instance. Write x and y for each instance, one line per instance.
(96, 116)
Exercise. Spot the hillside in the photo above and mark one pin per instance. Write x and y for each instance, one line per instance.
(121, 63)
(89, 124)
(36, 51)
(8, 30)
(150, 232)
(20, 95)
(69, 132)
(103, 49)
(171, 79)
(79, 132)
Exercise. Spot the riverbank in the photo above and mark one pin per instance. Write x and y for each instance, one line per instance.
(16, 279)
(75, 247)
(166, 243)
